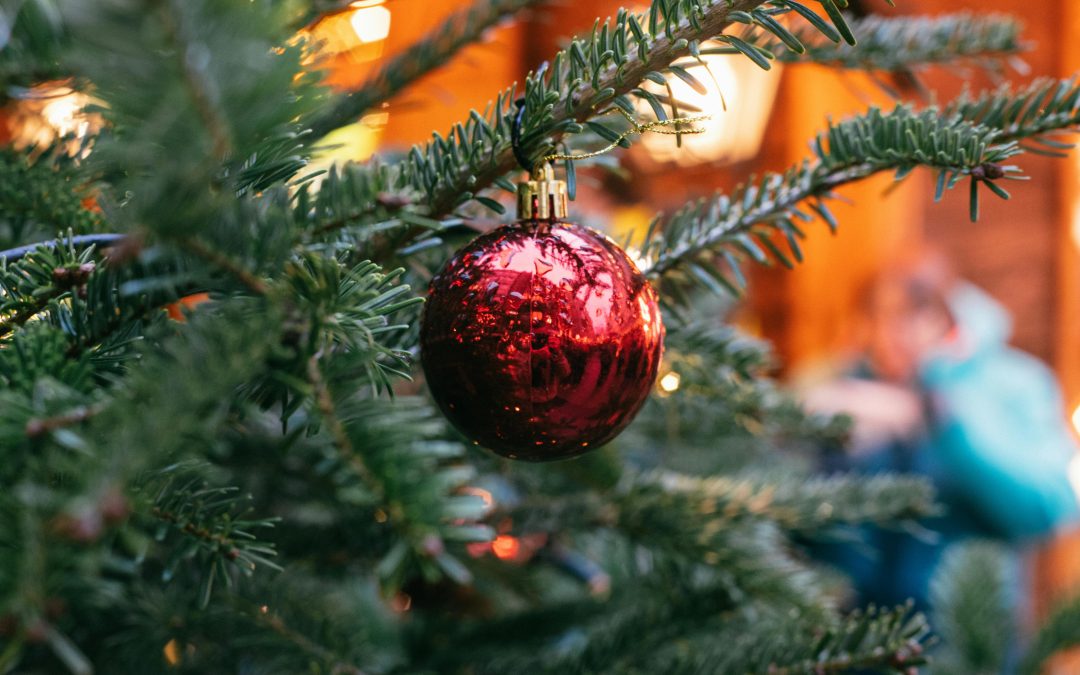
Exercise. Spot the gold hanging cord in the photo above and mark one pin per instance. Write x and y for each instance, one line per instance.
(670, 127)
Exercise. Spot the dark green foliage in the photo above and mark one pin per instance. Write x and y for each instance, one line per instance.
(974, 614)
(900, 43)
(41, 198)
(30, 51)
(259, 486)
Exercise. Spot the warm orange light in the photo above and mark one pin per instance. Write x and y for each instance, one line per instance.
(176, 309)
(171, 652)
(506, 547)
(360, 30)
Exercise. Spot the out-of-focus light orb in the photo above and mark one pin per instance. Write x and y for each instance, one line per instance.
(370, 20)
(670, 383)
(51, 112)
(506, 547)
(738, 96)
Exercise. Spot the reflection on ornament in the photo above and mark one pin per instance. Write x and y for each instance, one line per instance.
(738, 95)
(484, 495)
(541, 341)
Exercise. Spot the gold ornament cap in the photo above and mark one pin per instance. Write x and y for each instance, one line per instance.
(542, 197)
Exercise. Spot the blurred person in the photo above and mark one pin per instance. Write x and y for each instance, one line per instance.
(935, 390)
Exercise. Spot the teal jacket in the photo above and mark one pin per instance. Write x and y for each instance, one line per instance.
(997, 450)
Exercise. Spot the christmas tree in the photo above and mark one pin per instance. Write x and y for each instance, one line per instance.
(213, 454)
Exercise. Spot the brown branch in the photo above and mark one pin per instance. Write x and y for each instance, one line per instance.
(38, 426)
(274, 622)
(325, 402)
(211, 117)
(224, 262)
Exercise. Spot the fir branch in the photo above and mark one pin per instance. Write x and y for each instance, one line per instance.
(416, 475)
(211, 519)
(354, 317)
(973, 613)
(223, 262)
(192, 120)
(603, 634)
(1036, 112)
(195, 77)
(902, 43)
(583, 82)
(38, 426)
(30, 284)
(724, 378)
(773, 642)
(704, 507)
(276, 623)
(430, 52)
(43, 197)
(324, 400)
(706, 242)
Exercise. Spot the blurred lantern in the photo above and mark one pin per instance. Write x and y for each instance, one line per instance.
(737, 94)
(50, 112)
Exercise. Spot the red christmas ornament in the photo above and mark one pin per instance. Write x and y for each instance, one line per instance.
(541, 339)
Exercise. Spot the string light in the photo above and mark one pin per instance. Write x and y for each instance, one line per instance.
(506, 547)
(670, 383)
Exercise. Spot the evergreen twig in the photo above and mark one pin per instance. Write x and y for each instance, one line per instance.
(705, 242)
